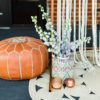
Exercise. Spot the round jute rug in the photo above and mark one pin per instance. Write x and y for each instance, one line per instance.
(87, 86)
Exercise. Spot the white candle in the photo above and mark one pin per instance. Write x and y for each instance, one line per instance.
(94, 28)
(82, 33)
(52, 11)
(74, 20)
(79, 18)
(59, 19)
(63, 17)
(67, 9)
(74, 36)
(99, 45)
(68, 12)
(70, 9)
(85, 25)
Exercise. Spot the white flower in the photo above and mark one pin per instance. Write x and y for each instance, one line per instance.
(47, 27)
(56, 52)
(47, 36)
(49, 50)
(50, 23)
(44, 39)
(50, 39)
(41, 35)
(49, 33)
(89, 38)
(46, 43)
(42, 10)
(41, 38)
(53, 56)
(53, 39)
(46, 33)
(88, 41)
(36, 30)
(55, 32)
(49, 19)
(40, 31)
(53, 45)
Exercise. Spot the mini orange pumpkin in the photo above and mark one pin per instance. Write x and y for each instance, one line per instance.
(22, 58)
(70, 82)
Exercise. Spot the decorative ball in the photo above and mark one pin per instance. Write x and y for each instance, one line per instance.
(70, 82)
(22, 58)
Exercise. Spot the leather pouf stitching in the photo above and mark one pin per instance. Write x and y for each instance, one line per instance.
(22, 58)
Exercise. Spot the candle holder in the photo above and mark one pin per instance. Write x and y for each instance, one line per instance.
(70, 82)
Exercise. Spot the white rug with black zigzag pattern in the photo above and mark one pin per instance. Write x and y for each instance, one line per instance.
(87, 86)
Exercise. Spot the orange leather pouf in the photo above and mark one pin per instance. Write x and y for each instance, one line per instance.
(22, 58)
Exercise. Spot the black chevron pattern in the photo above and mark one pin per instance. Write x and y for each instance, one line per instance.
(38, 88)
(64, 96)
